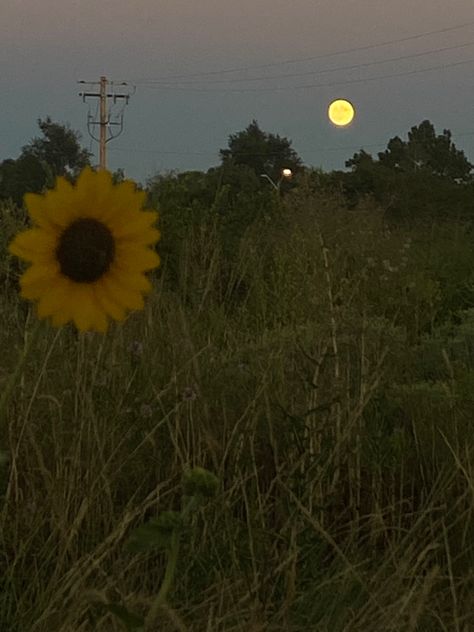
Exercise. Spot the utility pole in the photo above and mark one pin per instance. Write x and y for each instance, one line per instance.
(104, 121)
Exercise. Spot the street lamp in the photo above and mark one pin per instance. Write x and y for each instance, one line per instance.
(285, 174)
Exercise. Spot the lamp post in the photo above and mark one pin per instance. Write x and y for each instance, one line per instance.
(285, 174)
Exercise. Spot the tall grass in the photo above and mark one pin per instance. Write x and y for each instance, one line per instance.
(317, 373)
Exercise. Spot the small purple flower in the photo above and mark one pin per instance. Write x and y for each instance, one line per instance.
(135, 348)
(188, 394)
(146, 411)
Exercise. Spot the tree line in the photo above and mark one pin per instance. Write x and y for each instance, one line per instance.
(424, 175)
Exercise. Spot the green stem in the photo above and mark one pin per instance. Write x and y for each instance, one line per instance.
(12, 381)
(167, 581)
(172, 562)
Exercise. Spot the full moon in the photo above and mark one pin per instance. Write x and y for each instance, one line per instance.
(341, 112)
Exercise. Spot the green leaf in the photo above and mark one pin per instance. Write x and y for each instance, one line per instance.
(155, 534)
(133, 622)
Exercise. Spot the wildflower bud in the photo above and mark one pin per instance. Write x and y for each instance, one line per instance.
(200, 482)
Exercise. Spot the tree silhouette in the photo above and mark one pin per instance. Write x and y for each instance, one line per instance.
(424, 150)
(264, 153)
(26, 174)
(56, 153)
(426, 175)
(59, 148)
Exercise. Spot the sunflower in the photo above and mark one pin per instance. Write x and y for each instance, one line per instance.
(89, 250)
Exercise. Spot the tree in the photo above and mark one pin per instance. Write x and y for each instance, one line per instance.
(59, 148)
(184, 201)
(261, 152)
(426, 175)
(26, 174)
(426, 151)
(56, 153)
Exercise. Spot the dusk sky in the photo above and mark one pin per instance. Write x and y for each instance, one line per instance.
(179, 116)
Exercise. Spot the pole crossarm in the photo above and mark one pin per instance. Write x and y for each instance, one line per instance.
(104, 121)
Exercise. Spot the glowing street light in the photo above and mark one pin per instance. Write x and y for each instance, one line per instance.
(286, 174)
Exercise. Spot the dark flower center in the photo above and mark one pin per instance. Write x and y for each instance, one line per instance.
(85, 251)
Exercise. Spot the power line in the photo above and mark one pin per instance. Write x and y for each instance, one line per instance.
(165, 153)
(313, 85)
(298, 60)
(323, 71)
(300, 149)
(390, 76)
(250, 154)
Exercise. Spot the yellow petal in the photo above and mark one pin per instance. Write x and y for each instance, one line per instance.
(94, 183)
(126, 297)
(60, 204)
(56, 299)
(85, 311)
(59, 319)
(35, 205)
(127, 196)
(147, 237)
(119, 204)
(38, 279)
(34, 244)
(130, 258)
(135, 281)
(92, 193)
(100, 324)
(63, 187)
(108, 305)
(120, 210)
(90, 180)
(130, 223)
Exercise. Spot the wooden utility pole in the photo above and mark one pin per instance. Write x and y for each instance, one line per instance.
(104, 121)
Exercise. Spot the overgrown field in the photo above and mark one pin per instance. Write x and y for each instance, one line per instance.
(322, 366)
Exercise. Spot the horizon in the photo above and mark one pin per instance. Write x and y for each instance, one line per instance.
(202, 73)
